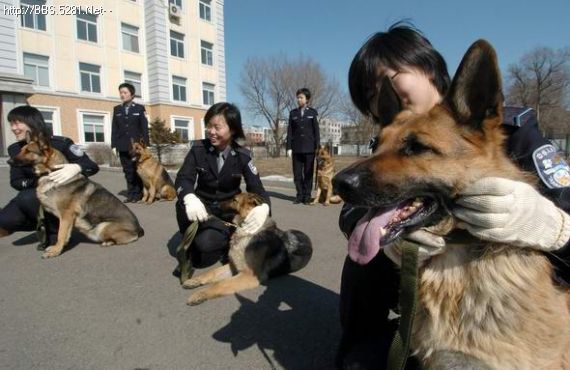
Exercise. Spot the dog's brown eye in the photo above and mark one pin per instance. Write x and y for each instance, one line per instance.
(412, 146)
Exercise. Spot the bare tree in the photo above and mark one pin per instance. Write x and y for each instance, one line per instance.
(540, 80)
(269, 86)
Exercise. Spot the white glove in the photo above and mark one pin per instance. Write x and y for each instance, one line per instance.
(115, 152)
(255, 219)
(511, 212)
(195, 209)
(289, 153)
(64, 173)
(430, 245)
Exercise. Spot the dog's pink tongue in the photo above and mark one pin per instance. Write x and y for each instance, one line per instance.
(364, 243)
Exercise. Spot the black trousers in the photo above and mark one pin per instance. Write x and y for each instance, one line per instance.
(134, 182)
(303, 168)
(21, 214)
(367, 294)
(211, 243)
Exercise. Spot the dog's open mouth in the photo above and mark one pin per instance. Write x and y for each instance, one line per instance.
(382, 226)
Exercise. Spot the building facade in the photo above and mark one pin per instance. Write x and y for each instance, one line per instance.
(68, 58)
(330, 131)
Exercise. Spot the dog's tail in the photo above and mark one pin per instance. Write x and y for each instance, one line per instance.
(299, 249)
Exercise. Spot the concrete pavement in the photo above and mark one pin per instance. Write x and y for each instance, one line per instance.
(121, 307)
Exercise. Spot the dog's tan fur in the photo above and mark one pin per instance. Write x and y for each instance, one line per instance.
(251, 262)
(77, 201)
(492, 302)
(325, 173)
(157, 184)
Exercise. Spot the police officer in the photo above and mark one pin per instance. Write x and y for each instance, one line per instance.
(212, 173)
(418, 75)
(21, 213)
(302, 143)
(129, 124)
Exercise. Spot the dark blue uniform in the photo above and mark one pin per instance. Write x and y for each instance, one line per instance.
(21, 213)
(303, 139)
(368, 292)
(129, 123)
(199, 175)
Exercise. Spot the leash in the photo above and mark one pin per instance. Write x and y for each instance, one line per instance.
(184, 262)
(400, 347)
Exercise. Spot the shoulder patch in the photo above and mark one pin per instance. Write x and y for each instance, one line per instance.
(77, 150)
(551, 167)
(252, 167)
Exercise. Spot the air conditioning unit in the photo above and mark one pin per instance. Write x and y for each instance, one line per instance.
(174, 11)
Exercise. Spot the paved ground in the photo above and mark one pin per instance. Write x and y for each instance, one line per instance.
(121, 308)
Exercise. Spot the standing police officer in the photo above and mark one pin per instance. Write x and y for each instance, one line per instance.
(302, 143)
(212, 173)
(129, 124)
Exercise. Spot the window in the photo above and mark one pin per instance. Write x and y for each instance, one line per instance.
(208, 93)
(93, 128)
(36, 67)
(130, 36)
(176, 44)
(205, 10)
(176, 2)
(90, 77)
(134, 79)
(48, 119)
(178, 88)
(32, 19)
(207, 53)
(87, 27)
(182, 126)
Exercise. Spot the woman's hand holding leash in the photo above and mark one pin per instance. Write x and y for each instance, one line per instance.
(64, 173)
(512, 212)
(195, 209)
(255, 219)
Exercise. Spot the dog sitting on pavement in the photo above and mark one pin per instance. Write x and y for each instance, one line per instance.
(79, 203)
(157, 184)
(325, 174)
(253, 258)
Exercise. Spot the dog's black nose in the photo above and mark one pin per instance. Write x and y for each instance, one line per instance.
(346, 182)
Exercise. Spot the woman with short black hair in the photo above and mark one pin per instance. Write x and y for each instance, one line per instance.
(211, 174)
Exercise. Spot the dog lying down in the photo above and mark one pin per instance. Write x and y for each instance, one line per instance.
(253, 258)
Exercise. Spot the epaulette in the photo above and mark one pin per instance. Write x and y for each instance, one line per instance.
(518, 116)
(242, 150)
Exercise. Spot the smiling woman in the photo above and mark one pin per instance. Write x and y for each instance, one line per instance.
(21, 213)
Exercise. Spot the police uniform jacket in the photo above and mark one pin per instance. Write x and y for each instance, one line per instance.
(303, 132)
(24, 177)
(125, 127)
(199, 174)
(533, 153)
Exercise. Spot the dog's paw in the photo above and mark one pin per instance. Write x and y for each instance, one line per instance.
(196, 299)
(326, 204)
(51, 251)
(107, 243)
(191, 284)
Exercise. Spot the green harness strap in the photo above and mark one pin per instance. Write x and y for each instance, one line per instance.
(400, 348)
(184, 262)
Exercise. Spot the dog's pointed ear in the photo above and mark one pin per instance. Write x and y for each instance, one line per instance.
(476, 90)
(387, 104)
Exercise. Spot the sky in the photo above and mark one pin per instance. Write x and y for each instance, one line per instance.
(331, 31)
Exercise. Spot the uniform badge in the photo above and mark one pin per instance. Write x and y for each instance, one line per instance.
(551, 167)
(252, 167)
(76, 149)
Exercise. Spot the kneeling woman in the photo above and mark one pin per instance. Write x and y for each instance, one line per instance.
(212, 173)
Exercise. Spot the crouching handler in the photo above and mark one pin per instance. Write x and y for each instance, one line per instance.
(211, 174)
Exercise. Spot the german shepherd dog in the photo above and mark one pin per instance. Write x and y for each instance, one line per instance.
(325, 173)
(88, 206)
(253, 259)
(479, 302)
(156, 181)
